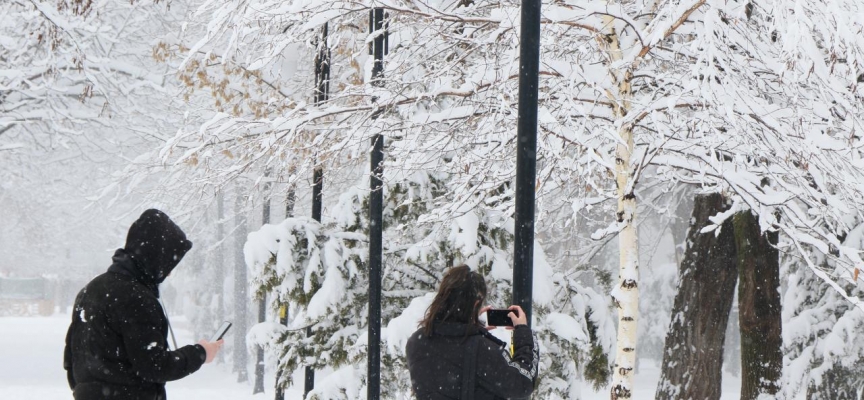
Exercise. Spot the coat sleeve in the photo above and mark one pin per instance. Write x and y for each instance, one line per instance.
(140, 323)
(506, 376)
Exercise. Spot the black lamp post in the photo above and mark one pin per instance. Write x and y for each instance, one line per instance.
(526, 155)
(376, 207)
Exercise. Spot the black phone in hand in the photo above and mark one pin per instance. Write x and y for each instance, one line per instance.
(499, 317)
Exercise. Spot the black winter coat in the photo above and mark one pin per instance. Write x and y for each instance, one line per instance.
(441, 364)
(116, 346)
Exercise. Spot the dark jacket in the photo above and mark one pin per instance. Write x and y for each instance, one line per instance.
(449, 363)
(116, 346)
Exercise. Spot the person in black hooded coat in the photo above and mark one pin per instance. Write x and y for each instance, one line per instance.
(116, 346)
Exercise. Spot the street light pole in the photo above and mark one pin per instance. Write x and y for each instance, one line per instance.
(376, 207)
(526, 156)
(322, 93)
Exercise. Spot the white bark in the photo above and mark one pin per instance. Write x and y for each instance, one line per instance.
(626, 296)
(626, 293)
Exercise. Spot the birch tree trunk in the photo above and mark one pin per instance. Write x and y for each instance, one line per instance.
(758, 308)
(626, 293)
(700, 315)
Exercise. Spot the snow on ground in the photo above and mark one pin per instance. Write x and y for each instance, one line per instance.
(31, 368)
(646, 384)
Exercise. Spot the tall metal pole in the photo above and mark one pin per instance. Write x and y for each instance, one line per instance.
(262, 302)
(526, 155)
(322, 93)
(376, 207)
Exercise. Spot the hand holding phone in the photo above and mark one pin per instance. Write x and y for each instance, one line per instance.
(517, 316)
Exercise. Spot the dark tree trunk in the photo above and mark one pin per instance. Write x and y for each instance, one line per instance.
(758, 307)
(693, 354)
(241, 360)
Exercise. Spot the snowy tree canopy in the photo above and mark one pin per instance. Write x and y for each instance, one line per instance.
(758, 101)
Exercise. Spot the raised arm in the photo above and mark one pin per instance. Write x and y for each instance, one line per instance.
(506, 376)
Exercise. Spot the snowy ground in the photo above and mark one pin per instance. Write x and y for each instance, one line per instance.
(646, 384)
(31, 368)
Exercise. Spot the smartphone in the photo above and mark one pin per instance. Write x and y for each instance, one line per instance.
(220, 332)
(499, 317)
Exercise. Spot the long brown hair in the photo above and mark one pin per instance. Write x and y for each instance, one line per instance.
(459, 298)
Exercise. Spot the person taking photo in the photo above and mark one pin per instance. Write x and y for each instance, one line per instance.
(453, 356)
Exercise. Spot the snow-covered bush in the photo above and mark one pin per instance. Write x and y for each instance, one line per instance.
(823, 357)
(320, 270)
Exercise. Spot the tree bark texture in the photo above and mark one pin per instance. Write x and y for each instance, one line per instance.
(693, 353)
(625, 294)
(758, 307)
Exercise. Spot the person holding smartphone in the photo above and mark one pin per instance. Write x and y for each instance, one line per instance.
(453, 356)
(117, 343)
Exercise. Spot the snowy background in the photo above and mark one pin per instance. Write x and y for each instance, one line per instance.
(212, 111)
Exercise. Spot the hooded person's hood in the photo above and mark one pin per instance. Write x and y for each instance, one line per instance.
(156, 245)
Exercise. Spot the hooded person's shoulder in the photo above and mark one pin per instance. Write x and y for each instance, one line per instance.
(107, 283)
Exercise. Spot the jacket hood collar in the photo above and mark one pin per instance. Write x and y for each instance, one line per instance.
(124, 265)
